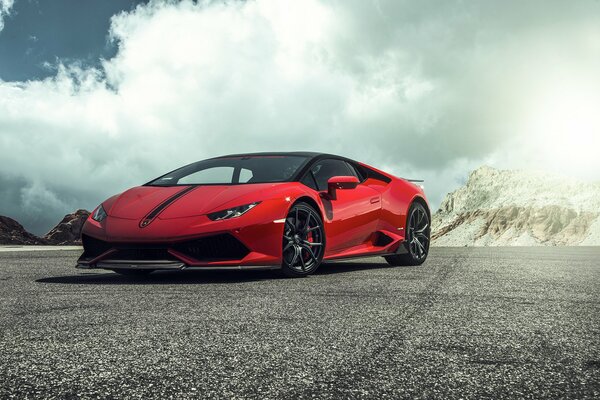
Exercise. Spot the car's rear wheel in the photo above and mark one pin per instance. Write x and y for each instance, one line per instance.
(133, 272)
(303, 241)
(418, 235)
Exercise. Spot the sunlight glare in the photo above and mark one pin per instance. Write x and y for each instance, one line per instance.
(565, 128)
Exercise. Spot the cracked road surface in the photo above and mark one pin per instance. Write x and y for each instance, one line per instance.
(470, 323)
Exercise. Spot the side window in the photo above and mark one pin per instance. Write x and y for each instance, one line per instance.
(352, 171)
(245, 175)
(356, 172)
(309, 181)
(326, 169)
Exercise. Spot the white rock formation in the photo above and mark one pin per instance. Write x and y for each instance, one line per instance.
(517, 208)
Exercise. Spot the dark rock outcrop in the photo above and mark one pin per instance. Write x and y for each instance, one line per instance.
(68, 231)
(11, 232)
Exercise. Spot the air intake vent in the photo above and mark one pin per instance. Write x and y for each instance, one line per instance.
(142, 254)
(213, 248)
(92, 248)
(381, 239)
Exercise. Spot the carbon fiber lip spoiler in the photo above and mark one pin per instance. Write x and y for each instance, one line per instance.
(164, 266)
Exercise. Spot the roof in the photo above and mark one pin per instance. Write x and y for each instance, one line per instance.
(308, 154)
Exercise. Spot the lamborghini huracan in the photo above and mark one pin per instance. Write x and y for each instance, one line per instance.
(285, 211)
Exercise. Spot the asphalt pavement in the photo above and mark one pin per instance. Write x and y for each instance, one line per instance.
(469, 323)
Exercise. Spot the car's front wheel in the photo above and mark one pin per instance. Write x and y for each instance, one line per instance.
(303, 241)
(418, 235)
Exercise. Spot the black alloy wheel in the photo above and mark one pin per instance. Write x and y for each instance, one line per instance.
(303, 241)
(418, 233)
(418, 236)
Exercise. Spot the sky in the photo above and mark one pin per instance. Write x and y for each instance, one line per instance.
(99, 96)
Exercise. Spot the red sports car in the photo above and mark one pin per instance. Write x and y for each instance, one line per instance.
(287, 211)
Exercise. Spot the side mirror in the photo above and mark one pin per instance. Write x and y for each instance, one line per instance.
(340, 182)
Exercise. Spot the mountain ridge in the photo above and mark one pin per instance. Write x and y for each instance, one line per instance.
(514, 207)
(12, 232)
(66, 232)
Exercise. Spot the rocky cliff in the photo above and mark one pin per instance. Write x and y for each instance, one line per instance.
(11, 232)
(68, 231)
(506, 208)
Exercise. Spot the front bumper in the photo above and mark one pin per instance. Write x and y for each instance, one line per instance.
(209, 252)
(169, 266)
(252, 241)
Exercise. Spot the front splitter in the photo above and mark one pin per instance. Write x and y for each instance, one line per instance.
(174, 266)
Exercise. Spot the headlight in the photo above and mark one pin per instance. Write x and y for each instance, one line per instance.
(99, 214)
(232, 212)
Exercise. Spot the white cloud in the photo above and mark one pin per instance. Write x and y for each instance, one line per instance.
(421, 89)
(5, 7)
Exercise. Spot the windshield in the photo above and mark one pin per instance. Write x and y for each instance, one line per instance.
(234, 170)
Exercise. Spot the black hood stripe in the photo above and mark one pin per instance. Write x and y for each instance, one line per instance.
(151, 216)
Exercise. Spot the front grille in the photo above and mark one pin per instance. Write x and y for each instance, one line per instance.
(92, 247)
(218, 248)
(222, 247)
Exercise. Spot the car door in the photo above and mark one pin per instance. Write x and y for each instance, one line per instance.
(353, 216)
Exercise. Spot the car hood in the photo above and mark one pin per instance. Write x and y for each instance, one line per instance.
(183, 201)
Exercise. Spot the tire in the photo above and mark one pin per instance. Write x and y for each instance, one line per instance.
(418, 236)
(133, 272)
(303, 241)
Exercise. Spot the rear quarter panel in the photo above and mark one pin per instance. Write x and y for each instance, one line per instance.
(396, 198)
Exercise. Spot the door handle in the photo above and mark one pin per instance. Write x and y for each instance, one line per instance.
(374, 200)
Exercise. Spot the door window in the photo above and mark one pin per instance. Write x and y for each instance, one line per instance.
(309, 181)
(356, 172)
(326, 169)
(245, 175)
